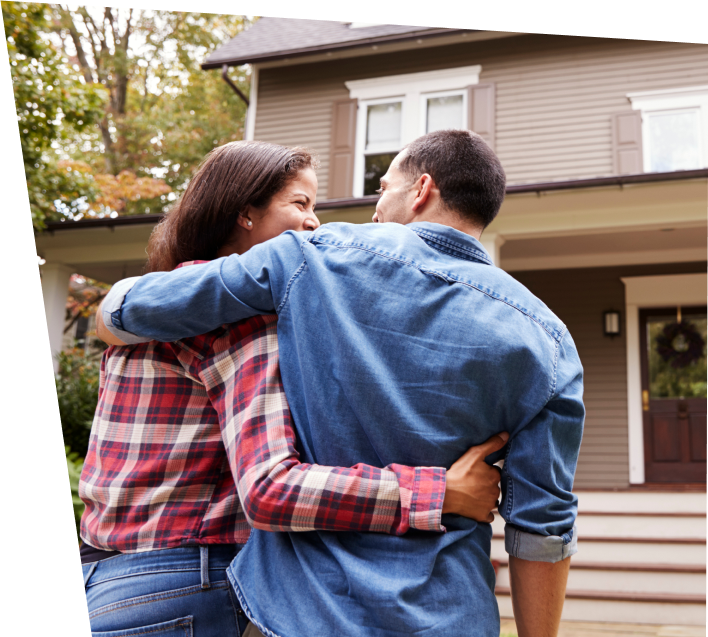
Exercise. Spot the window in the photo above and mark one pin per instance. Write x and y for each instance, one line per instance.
(674, 128)
(383, 140)
(394, 110)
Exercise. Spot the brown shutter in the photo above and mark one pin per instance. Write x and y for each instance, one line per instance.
(341, 163)
(627, 143)
(481, 101)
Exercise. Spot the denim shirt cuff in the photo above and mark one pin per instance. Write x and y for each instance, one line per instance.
(112, 306)
(540, 548)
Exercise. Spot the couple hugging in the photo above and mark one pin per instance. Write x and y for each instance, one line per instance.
(297, 424)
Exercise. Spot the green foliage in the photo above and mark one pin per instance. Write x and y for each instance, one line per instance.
(53, 104)
(119, 95)
(667, 381)
(74, 464)
(77, 391)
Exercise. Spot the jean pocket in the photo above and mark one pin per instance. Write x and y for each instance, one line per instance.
(176, 628)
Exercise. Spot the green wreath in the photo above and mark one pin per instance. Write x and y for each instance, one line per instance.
(680, 344)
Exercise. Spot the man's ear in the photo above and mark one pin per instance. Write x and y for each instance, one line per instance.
(423, 187)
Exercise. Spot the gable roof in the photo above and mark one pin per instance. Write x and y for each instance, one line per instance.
(277, 38)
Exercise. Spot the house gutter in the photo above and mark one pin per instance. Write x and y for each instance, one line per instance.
(227, 79)
(360, 202)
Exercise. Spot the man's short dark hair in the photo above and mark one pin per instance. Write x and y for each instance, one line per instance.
(465, 169)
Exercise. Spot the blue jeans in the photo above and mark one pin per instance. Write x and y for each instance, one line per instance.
(168, 593)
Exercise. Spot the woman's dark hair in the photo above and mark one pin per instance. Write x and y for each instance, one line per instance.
(465, 169)
(231, 177)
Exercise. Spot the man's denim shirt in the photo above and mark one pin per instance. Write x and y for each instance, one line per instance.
(398, 344)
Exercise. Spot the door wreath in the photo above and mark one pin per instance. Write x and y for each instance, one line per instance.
(680, 344)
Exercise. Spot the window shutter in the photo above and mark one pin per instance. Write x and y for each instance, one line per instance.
(627, 143)
(481, 102)
(341, 163)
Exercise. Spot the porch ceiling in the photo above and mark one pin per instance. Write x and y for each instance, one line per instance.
(648, 222)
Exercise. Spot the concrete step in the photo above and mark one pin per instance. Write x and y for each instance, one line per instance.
(639, 608)
(634, 525)
(628, 578)
(625, 550)
(641, 502)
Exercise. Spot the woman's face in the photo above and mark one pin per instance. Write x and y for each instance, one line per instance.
(293, 208)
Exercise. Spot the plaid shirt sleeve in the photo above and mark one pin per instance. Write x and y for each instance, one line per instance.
(277, 491)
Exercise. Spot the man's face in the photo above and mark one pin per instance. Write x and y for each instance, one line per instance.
(397, 196)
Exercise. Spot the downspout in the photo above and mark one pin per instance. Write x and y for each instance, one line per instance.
(236, 89)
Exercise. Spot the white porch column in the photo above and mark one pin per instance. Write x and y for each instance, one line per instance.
(55, 289)
(492, 243)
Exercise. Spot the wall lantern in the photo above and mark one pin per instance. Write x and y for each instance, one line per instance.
(612, 323)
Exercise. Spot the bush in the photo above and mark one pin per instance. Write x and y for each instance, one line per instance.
(77, 392)
(74, 464)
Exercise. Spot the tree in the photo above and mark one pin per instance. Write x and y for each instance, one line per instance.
(115, 112)
(53, 104)
(164, 113)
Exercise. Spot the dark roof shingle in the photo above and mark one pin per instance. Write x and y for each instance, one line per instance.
(275, 38)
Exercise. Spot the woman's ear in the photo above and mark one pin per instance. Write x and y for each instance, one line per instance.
(245, 218)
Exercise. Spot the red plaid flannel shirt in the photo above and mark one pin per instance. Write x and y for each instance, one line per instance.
(176, 422)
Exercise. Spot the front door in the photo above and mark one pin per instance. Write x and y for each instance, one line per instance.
(673, 346)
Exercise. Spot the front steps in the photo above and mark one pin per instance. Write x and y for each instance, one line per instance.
(641, 559)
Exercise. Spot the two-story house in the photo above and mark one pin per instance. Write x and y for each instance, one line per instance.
(605, 146)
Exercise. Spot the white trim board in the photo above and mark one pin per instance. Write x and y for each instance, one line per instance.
(250, 128)
(640, 292)
(414, 83)
(604, 259)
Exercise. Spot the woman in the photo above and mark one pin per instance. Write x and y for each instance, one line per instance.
(192, 441)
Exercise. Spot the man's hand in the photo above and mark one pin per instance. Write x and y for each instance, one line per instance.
(472, 486)
(102, 331)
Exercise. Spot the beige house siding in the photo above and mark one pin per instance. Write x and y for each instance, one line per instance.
(555, 96)
(579, 297)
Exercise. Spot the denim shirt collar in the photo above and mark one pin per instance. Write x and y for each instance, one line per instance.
(451, 241)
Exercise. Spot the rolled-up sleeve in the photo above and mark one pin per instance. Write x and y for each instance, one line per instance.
(538, 504)
(111, 308)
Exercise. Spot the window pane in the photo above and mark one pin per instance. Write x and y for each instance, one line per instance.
(375, 167)
(383, 127)
(677, 356)
(673, 141)
(444, 113)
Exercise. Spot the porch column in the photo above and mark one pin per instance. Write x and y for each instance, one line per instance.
(492, 243)
(55, 289)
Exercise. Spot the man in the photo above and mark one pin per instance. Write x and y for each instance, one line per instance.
(408, 339)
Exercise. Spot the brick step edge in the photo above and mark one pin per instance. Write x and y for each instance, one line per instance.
(630, 567)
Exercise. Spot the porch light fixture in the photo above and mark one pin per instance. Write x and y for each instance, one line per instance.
(612, 323)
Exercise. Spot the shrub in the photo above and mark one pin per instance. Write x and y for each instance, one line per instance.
(77, 392)
(74, 464)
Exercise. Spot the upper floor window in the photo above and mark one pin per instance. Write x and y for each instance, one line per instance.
(674, 128)
(395, 110)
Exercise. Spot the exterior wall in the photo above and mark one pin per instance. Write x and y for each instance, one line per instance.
(579, 297)
(555, 96)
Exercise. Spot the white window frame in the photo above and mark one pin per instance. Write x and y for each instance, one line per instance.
(411, 89)
(685, 99)
(424, 97)
(360, 166)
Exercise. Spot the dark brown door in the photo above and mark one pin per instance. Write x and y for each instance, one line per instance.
(674, 393)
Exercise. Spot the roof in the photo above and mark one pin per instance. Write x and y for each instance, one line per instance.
(351, 202)
(277, 38)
